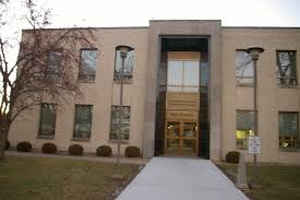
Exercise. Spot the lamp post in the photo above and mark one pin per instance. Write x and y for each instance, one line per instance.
(254, 53)
(123, 53)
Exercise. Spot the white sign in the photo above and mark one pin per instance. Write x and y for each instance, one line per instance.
(254, 145)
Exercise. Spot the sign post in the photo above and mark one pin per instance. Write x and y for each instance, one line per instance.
(254, 145)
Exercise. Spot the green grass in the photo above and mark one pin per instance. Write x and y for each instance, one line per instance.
(58, 178)
(276, 182)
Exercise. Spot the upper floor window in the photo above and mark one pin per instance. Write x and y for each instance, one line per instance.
(83, 121)
(183, 75)
(87, 71)
(244, 68)
(289, 139)
(47, 120)
(54, 69)
(129, 63)
(120, 123)
(286, 68)
(244, 127)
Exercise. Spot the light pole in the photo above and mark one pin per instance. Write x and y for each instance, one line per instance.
(123, 53)
(254, 53)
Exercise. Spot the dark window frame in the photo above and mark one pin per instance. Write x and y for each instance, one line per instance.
(40, 134)
(57, 73)
(75, 134)
(236, 128)
(241, 77)
(80, 74)
(292, 83)
(127, 78)
(297, 146)
(111, 124)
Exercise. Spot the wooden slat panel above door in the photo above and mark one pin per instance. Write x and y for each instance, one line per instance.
(182, 101)
(183, 55)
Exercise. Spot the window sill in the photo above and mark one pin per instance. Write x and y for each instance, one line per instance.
(86, 81)
(289, 150)
(288, 87)
(45, 137)
(116, 141)
(126, 81)
(81, 139)
(245, 85)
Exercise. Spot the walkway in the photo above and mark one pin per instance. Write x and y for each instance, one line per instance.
(184, 179)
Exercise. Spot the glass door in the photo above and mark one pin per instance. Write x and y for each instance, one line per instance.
(181, 137)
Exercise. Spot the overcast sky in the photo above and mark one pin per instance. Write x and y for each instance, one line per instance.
(138, 12)
(115, 13)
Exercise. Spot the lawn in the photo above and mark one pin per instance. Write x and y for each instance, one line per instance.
(270, 181)
(59, 178)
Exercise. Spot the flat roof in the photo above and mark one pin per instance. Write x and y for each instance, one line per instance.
(260, 27)
(86, 28)
(173, 20)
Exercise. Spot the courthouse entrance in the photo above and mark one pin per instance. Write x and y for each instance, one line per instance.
(182, 103)
(182, 120)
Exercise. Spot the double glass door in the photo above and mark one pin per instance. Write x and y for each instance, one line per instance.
(181, 137)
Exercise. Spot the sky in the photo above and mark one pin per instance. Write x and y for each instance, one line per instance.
(110, 13)
(116, 13)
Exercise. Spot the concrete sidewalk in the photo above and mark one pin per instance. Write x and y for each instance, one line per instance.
(179, 178)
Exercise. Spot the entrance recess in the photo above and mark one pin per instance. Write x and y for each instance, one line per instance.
(182, 103)
(182, 121)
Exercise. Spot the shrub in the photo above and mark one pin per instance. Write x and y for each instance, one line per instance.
(75, 149)
(24, 147)
(104, 150)
(7, 145)
(232, 157)
(132, 152)
(49, 148)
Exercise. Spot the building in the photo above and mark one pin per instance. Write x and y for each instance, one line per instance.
(188, 91)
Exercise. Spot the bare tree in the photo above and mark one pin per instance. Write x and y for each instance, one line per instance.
(45, 68)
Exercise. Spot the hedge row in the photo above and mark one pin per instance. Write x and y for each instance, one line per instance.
(77, 149)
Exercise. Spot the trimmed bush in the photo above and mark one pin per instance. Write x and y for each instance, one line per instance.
(232, 157)
(132, 152)
(7, 145)
(24, 147)
(49, 148)
(76, 150)
(104, 151)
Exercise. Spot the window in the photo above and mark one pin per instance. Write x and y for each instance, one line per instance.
(244, 128)
(120, 115)
(244, 68)
(87, 70)
(129, 64)
(47, 120)
(286, 68)
(289, 131)
(83, 121)
(54, 65)
(183, 75)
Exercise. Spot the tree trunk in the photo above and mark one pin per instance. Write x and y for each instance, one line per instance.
(2, 144)
(4, 127)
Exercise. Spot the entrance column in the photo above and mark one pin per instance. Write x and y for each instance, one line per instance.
(207, 28)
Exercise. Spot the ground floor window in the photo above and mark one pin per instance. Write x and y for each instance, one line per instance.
(83, 121)
(289, 131)
(47, 120)
(120, 123)
(244, 128)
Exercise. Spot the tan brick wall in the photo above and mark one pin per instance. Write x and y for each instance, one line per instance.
(102, 94)
(271, 98)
